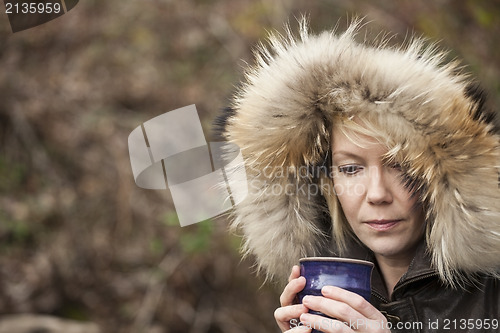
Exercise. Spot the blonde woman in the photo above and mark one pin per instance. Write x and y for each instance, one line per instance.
(376, 153)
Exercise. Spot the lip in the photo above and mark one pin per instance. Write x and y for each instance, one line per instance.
(383, 225)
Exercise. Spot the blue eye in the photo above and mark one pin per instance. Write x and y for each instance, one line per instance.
(396, 166)
(350, 170)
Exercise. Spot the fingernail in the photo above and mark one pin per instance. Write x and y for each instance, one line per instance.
(306, 299)
(327, 290)
(305, 317)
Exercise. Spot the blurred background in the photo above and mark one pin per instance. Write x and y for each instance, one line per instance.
(79, 240)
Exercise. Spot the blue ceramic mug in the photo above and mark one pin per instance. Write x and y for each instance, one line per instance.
(350, 274)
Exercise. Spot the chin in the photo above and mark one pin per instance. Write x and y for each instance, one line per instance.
(388, 250)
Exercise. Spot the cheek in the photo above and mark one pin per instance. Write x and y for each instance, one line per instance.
(350, 198)
(410, 202)
(418, 215)
(350, 210)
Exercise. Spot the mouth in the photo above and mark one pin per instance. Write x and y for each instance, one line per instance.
(383, 225)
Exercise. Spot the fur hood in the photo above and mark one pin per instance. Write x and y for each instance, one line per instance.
(281, 119)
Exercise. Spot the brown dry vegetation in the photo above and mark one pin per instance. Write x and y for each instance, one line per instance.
(78, 239)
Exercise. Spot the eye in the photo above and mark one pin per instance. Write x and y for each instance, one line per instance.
(395, 166)
(350, 169)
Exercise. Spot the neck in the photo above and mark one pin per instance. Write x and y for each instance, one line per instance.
(392, 269)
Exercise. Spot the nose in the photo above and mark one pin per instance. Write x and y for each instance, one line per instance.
(379, 190)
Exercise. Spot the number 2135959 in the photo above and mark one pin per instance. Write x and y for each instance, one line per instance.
(470, 324)
(32, 8)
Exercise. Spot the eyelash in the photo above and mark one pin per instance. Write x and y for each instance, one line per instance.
(350, 169)
(396, 166)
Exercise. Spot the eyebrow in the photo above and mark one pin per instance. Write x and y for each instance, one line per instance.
(346, 154)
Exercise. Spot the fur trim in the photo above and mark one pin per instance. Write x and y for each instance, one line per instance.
(281, 119)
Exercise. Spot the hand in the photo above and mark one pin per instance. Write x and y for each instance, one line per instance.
(287, 316)
(352, 312)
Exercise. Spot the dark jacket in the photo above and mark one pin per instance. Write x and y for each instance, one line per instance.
(421, 302)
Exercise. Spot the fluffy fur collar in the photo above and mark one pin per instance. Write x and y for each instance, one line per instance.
(281, 119)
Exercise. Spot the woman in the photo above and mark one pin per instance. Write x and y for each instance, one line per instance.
(375, 153)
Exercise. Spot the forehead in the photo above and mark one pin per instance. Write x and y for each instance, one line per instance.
(350, 143)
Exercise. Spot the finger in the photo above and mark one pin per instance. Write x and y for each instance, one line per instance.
(295, 273)
(333, 308)
(287, 317)
(291, 290)
(300, 329)
(287, 313)
(324, 324)
(354, 300)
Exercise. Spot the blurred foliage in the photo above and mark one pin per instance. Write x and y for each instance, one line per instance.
(78, 239)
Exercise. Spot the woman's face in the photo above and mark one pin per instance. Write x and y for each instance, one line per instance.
(380, 210)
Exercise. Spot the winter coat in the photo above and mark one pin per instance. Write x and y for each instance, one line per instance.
(444, 137)
(421, 302)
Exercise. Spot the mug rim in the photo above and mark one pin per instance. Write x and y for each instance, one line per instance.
(337, 259)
